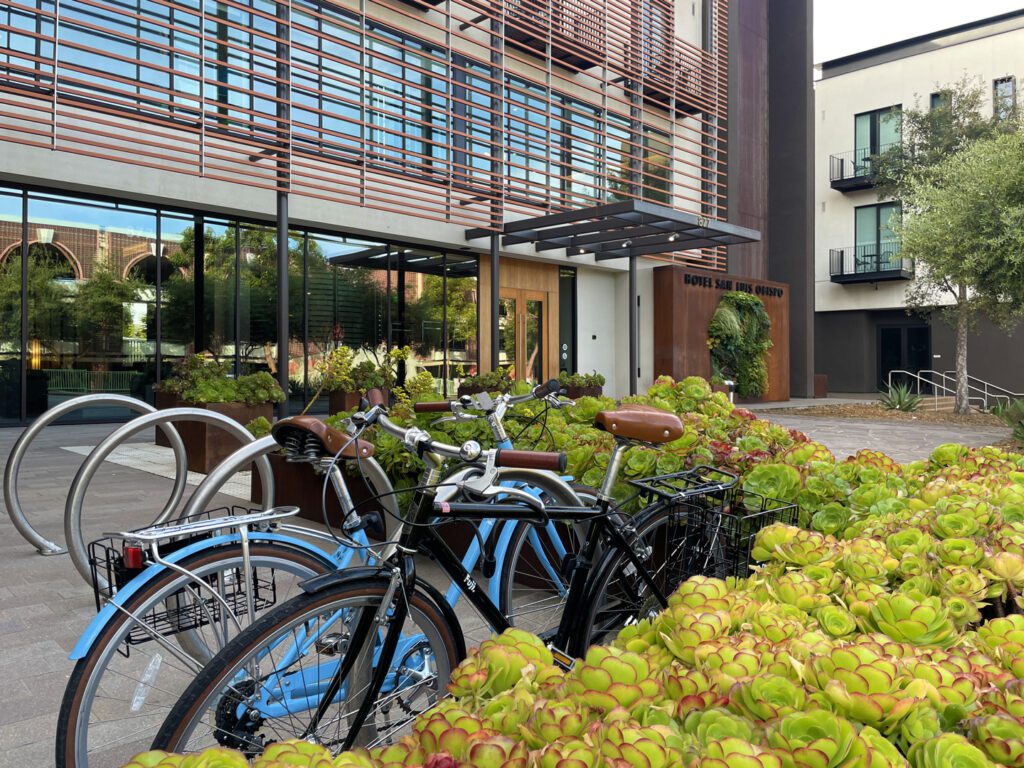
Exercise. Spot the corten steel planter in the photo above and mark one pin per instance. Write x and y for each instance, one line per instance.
(338, 401)
(574, 393)
(205, 445)
(296, 484)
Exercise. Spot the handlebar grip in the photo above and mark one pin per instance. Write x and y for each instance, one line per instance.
(555, 462)
(441, 406)
(375, 397)
(547, 388)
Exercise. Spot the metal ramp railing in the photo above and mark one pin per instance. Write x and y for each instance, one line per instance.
(983, 395)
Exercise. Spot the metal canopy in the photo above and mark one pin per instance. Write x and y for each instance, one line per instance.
(628, 229)
(621, 230)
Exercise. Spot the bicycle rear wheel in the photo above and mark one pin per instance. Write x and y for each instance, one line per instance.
(620, 596)
(267, 684)
(121, 690)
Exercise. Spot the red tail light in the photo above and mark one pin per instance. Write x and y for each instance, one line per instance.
(132, 557)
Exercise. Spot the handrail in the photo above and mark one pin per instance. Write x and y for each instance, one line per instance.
(987, 387)
(945, 381)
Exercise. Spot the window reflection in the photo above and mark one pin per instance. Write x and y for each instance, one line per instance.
(112, 296)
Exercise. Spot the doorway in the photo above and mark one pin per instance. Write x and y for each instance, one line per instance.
(521, 324)
(903, 348)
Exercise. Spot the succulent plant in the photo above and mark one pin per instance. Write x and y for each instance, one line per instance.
(1001, 737)
(294, 752)
(736, 753)
(682, 630)
(1004, 640)
(917, 621)
(865, 686)
(873, 750)
(836, 621)
(610, 678)
(815, 739)
(799, 590)
(947, 750)
(715, 724)
(766, 697)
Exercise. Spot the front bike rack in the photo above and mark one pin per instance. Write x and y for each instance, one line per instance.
(11, 499)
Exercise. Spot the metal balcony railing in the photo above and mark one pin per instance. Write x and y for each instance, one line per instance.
(852, 170)
(869, 263)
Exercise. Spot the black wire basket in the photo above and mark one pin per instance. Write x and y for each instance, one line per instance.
(702, 486)
(718, 539)
(116, 560)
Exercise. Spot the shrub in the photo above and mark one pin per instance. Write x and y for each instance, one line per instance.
(900, 398)
(1012, 414)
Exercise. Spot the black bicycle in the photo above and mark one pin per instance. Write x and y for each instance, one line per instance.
(364, 650)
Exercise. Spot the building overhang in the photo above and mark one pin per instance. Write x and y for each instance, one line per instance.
(625, 229)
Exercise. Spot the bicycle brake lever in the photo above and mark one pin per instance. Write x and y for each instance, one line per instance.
(515, 493)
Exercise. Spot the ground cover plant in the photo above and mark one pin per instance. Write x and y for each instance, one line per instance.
(886, 631)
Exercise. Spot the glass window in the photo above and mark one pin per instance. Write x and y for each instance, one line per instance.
(877, 248)
(25, 53)
(222, 245)
(177, 290)
(257, 301)
(874, 132)
(88, 310)
(10, 306)
(472, 106)
(657, 167)
(1004, 97)
(940, 100)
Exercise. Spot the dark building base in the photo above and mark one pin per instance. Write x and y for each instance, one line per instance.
(855, 349)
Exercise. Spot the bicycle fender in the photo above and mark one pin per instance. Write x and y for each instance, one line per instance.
(344, 576)
(446, 610)
(111, 608)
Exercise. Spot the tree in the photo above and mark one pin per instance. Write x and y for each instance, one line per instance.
(923, 161)
(965, 231)
(49, 301)
(102, 314)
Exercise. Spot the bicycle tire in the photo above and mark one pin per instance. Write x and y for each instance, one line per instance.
(536, 573)
(74, 722)
(222, 679)
(618, 595)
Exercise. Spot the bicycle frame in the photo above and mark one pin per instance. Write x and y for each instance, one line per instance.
(281, 692)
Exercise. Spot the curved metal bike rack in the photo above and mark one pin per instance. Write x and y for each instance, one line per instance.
(13, 503)
(76, 495)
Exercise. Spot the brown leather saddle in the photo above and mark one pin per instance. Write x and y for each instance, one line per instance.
(640, 422)
(302, 433)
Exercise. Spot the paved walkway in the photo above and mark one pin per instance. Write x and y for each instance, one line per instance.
(44, 604)
(904, 442)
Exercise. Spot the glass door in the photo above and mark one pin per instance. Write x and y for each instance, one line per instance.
(521, 333)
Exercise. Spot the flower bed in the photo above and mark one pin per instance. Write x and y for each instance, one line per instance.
(886, 632)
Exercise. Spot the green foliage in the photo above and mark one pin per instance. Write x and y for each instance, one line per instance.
(899, 397)
(196, 380)
(1013, 415)
(50, 299)
(739, 337)
(593, 379)
(498, 380)
(101, 311)
(259, 427)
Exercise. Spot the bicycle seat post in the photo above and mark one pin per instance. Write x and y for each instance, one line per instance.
(612, 472)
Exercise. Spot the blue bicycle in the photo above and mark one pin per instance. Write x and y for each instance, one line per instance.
(179, 593)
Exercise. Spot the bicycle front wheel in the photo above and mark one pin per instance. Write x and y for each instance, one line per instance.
(122, 689)
(620, 595)
(268, 684)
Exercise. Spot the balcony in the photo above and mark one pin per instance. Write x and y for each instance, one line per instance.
(577, 30)
(869, 263)
(850, 171)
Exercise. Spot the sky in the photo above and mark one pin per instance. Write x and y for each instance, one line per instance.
(842, 27)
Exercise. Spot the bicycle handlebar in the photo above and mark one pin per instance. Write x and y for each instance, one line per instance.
(551, 387)
(375, 397)
(556, 462)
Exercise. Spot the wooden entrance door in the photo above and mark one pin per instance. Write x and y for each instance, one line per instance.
(523, 330)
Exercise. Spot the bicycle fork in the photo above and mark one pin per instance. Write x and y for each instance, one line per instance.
(367, 626)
